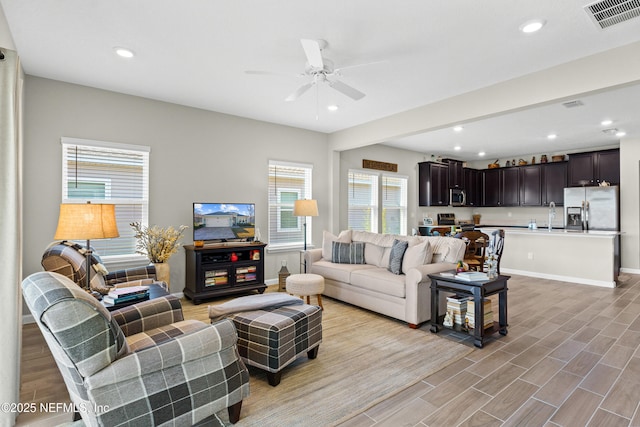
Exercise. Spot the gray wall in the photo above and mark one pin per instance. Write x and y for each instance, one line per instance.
(196, 155)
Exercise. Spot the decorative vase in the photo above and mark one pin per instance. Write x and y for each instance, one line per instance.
(163, 273)
(492, 273)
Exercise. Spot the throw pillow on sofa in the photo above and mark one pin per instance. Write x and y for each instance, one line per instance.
(328, 239)
(347, 253)
(416, 256)
(395, 257)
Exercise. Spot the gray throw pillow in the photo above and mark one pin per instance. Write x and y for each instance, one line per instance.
(347, 253)
(395, 257)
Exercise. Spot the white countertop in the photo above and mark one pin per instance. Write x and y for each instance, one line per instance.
(555, 232)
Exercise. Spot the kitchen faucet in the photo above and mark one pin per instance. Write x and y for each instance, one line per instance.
(552, 213)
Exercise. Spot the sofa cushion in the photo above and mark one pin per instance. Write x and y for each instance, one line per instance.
(395, 257)
(416, 255)
(328, 239)
(337, 272)
(380, 280)
(373, 254)
(347, 253)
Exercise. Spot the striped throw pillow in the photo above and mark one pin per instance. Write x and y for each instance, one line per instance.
(347, 253)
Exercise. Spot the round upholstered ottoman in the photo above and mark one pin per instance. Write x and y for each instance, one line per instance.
(306, 285)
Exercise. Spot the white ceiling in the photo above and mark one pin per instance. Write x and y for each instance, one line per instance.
(196, 53)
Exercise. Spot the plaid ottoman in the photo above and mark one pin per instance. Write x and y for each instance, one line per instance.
(272, 338)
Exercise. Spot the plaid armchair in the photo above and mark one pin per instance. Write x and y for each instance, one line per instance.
(69, 259)
(142, 365)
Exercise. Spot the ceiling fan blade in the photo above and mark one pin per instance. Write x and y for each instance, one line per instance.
(313, 50)
(271, 73)
(302, 89)
(337, 70)
(345, 89)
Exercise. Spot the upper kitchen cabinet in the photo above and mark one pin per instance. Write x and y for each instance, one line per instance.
(456, 175)
(501, 187)
(472, 179)
(433, 187)
(530, 185)
(594, 167)
(554, 180)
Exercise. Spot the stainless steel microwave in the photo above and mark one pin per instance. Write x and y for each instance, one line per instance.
(456, 197)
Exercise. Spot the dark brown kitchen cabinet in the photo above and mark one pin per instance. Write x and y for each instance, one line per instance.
(594, 167)
(433, 188)
(554, 180)
(501, 187)
(530, 185)
(456, 174)
(472, 179)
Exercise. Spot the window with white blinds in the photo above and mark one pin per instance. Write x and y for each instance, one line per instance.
(363, 201)
(394, 204)
(105, 172)
(288, 182)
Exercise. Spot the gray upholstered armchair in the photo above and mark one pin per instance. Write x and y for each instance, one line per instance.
(68, 259)
(142, 365)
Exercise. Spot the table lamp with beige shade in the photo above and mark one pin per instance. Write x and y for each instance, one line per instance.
(87, 221)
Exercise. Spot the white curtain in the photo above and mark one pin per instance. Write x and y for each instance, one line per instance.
(11, 81)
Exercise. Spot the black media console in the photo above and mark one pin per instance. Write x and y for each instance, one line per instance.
(222, 269)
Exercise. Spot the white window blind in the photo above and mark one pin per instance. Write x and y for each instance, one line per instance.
(104, 172)
(394, 204)
(288, 182)
(363, 201)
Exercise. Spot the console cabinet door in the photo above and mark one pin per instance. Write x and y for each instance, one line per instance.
(530, 185)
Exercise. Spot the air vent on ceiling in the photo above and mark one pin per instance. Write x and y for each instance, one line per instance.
(573, 104)
(606, 13)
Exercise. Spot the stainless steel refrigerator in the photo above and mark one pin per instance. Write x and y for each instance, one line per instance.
(592, 208)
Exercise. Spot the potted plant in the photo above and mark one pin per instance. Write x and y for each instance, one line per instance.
(158, 244)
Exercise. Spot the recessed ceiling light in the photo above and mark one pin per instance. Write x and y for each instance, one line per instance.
(332, 108)
(123, 52)
(606, 122)
(481, 154)
(621, 133)
(458, 128)
(552, 136)
(457, 148)
(532, 26)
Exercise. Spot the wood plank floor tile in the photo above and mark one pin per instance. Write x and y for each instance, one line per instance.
(444, 392)
(507, 402)
(409, 416)
(618, 356)
(607, 419)
(521, 344)
(600, 379)
(586, 334)
(533, 413)
(558, 388)
(397, 401)
(448, 372)
(623, 397)
(583, 363)
(630, 339)
(577, 409)
(600, 344)
(499, 379)
(543, 371)
(458, 409)
(533, 355)
(554, 339)
(567, 350)
(490, 363)
(480, 419)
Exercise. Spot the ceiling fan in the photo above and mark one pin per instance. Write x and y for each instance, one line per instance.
(321, 70)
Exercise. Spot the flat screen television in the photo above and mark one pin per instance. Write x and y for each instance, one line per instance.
(224, 222)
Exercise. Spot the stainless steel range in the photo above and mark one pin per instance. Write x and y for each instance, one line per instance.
(446, 219)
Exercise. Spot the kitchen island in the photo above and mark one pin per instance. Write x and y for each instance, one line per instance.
(587, 257)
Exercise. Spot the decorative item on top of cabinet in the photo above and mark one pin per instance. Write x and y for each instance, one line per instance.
(593, 167)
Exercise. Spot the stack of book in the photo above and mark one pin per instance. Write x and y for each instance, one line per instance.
(120, 295)
(488, 313)
(458, 306)
(472, 276)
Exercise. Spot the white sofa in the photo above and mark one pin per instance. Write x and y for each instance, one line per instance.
(405, 296)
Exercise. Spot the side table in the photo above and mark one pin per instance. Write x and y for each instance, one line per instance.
(477, 290)
(155, 291)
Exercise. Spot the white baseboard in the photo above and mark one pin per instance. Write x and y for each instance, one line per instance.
(579, 280)
(630, 270)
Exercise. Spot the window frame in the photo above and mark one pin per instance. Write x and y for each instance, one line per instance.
(143, 152)
(278, 241)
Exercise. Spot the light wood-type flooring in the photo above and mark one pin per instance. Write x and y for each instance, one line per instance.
(571, 358)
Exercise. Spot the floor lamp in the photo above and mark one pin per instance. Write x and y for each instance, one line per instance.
(85, 222)
(305, 208)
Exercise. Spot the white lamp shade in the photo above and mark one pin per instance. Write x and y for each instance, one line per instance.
(305, 208)
(86, 222)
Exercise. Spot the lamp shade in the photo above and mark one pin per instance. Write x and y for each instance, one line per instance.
(86, 221)
(305, 208)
